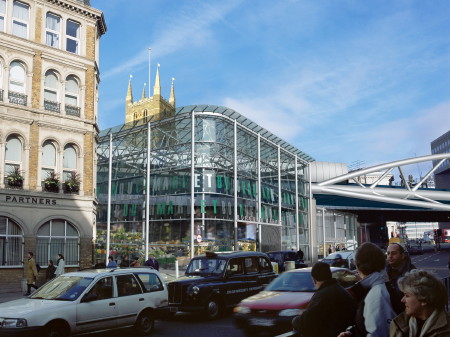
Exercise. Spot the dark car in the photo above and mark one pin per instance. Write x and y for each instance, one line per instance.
(283, 256)
(215, 281)
(271, 311)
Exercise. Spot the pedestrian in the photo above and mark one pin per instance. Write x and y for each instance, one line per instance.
(125, 263)
(425, 298)
(300, 254)
(60, 265)
(152, 262)
(397, 264)
(331, 303)
(31, 273)
(50, 272)
(111, 262)
(135, 263)
(374, 312)
(329, 250)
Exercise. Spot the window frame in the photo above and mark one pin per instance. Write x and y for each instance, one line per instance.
(20, 21)
(13, 162)
(76, 39)
(43, 255)
(56, 91)
(13, 81)
(54, 32)
(6, 240)
(46, 167)
(69, 170)
(3, 15)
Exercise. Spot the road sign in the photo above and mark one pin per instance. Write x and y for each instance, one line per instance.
(199, 238)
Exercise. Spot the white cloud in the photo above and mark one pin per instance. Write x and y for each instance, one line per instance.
(189, 29)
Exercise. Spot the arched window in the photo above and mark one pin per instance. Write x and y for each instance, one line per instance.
(53, 30)
(16, 92)
(69, 161)
(51, 91)
(58, 237)
(11, 243)
(72, 96)
(13, 155)
(48, 160)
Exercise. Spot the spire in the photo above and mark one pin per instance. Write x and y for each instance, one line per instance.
(172, 93)
(129, 98)
(157, 86)
(143, 91)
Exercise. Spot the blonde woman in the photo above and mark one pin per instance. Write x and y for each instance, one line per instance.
(425, 297)
(60, 264)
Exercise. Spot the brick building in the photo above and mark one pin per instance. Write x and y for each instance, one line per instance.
(49, 76)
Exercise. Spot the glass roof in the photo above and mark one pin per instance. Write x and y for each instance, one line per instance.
(231, 114)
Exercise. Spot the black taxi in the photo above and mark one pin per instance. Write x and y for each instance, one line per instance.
(215, 281)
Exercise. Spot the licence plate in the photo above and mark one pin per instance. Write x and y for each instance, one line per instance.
(262, 321)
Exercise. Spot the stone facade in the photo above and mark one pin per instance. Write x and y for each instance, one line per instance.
(48, 125)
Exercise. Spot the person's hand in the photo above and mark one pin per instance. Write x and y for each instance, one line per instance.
(345, 334)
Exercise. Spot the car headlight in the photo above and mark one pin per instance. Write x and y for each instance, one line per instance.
(241, 310)
(291, 312)
(13, 322)
(193, 291)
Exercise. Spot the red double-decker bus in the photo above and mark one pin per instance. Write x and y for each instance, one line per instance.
(445, 235)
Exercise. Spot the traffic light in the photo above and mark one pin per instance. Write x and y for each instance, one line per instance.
(435, 233)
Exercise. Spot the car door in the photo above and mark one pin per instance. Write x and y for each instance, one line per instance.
(266, 274)
(130, 298)
(236, 284)
(154, 285)
(252, 271)
(97, 309)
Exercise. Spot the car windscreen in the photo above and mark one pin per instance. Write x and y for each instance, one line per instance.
(63, 288)
(204, 266)
(292, 282)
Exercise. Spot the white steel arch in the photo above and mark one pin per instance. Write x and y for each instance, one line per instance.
(406, 196)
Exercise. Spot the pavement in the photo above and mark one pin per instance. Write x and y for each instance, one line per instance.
(167, 274)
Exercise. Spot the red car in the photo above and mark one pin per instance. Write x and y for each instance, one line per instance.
(272, 310)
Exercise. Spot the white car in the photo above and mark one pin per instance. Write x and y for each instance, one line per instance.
(85, 301)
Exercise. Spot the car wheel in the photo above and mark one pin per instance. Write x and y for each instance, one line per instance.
(56, 330)
(145, 323)
(213, 308)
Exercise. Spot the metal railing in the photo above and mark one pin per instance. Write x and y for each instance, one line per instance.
(52, 106)
(72, 110)
(17, 98)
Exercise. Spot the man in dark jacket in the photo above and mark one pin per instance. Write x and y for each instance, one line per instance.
(331, 310)
(152, 262)
(397, 264)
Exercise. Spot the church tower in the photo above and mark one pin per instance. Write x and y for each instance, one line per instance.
(152, 106)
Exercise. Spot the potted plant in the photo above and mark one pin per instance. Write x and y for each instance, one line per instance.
(15, 178)
(51, 183)
(72, 185)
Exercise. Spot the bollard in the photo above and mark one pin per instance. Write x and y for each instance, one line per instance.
(177, 273)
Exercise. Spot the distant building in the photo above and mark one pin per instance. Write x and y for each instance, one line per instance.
(442, 174)
(49, 53)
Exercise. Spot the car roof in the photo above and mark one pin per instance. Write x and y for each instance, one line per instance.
(95, 273)
(282, 251)
(228, 255)
(344, 254)
(308, 270)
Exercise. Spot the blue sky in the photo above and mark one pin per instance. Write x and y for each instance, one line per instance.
(344, 81)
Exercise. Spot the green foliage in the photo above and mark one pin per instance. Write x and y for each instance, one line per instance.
(72, 185)
(15, 178)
